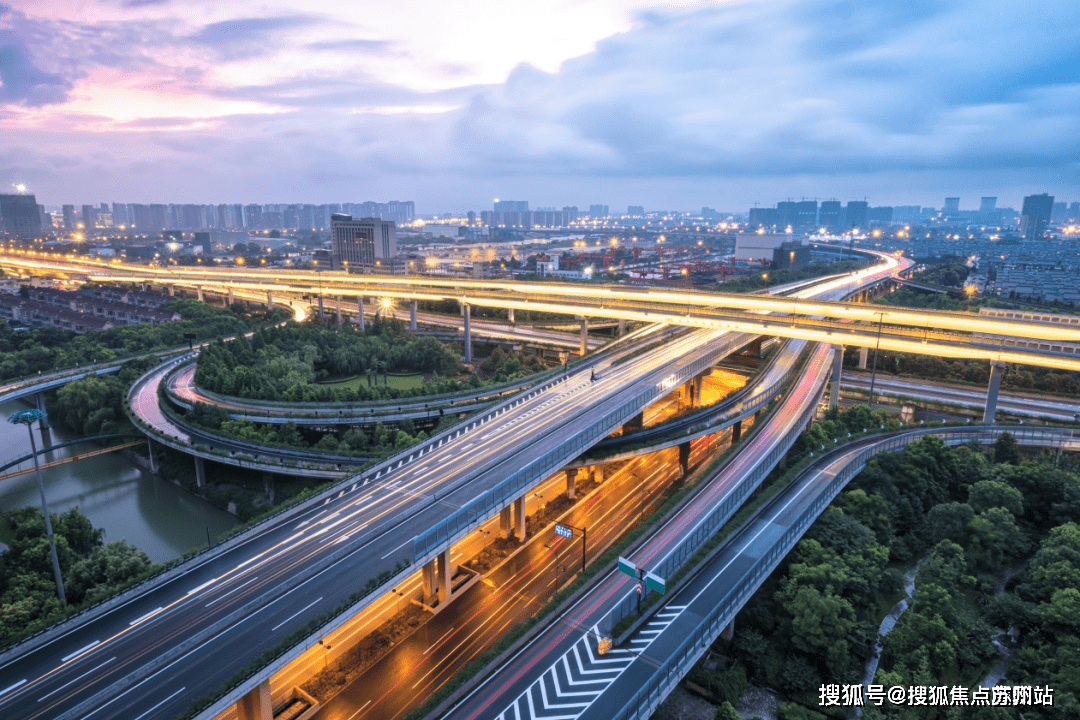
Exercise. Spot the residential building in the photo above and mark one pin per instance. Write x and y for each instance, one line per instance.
(364, 245)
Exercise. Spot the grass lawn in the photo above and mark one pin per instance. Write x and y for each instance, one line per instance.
(401, 381)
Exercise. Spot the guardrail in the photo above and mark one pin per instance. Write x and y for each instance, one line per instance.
(480, 508)
(644, 702)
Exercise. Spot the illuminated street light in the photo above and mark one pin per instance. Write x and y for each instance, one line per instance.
(27, 418)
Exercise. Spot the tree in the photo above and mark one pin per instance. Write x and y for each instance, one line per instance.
(1006, 450)
(995, 539)
(949, 521)
(821, 622)
(726, 712)
(987, 494)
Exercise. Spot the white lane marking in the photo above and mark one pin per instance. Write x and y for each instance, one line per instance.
(9, 688)
(223, 595)
(341, 539)
(205, 585)
(80, 652)
(69, 682)
(161, 703)
(396, 549)
(286, 620)
(302, 524)
(357, 713)
(146, 616)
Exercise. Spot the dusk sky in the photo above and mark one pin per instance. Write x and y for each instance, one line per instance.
(559, 102)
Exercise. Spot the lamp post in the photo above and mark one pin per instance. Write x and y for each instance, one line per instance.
(27, 417)
(873, 373)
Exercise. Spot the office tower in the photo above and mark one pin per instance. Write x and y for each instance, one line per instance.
(89, 215)
(511, 206)
(855, 215)
(988, 206)
(636, 211)
(952, 207)
(1060, 213)
(1035, 216)
(20, 215)
(367, 245)
(571, 212)
(253, 217)
(598, 211)
(1074, 212)
(831, 214)
(880, 215)
(121, 215)
(69, 217)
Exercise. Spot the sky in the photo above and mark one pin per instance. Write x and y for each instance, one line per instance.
(558, 102)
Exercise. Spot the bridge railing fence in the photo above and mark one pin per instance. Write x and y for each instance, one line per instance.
(644, 702)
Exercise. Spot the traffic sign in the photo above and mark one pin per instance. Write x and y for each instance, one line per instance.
(628, 568)
(655, 582)
(564, 531)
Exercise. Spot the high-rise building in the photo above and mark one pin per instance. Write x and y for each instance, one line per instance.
(1074, 212)
(89, 216)
(1035, 216)
(952, 207)
(856, 214)
(1060, 213)
(988, 205)
(253, 217)
(121, 215)
(571, 213)
(366, 245)
(511, 206)
(598, 211)
(831, 215)
(69, 218)
(19, 215)
(636, 211)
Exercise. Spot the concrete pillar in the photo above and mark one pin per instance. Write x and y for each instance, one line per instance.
(506, 521)
(622, 327)
(467, 314)
(684, 457)
(446, 573)
(736, 432)
(519, 519)
(200, 294)
(600, 473)
(146, 287)
(200, 472)
(412, 315)
(322, 316)
(584, 335)
(269, 301)
(338, 305)
(754, 348)
(40, 399)
(571, 478)
(635, 423)
(996, 370)
(429, 583)
(837, 371)
(231, 298)
(360, 310)
(150, 452)
(172, 291)
(864, 352)
(510, 315)
(728, 632)
(256, 705)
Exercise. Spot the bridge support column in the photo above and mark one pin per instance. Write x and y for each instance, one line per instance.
(635, 423)
(200, 294)
(360, 311)
(519, 519)
(754, 348)
(736, 432)
(256, 705)
(571, 479)
(510, 315)
(584, 335)
(466, 312)
(864, 352)
(837, 370)
(200, 472)
(446, 573)
(506, 521)
(150, 452)
(338, 307)
(684, 458)
(39, 399)
(622, 327)
(996, 371)
(322, 316)
(231, 298)
(429, 584)
(728, 632)
(599, 475)
(172, 291)
(269, 301)
(412, 316)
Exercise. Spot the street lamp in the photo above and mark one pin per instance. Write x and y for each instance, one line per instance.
(873, 373)
(27, 417)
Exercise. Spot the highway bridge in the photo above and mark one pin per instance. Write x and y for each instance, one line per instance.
(149, 649)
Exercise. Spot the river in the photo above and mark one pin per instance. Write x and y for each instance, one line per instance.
(154, 515)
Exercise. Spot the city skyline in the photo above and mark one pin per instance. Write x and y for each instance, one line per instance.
(720, 105)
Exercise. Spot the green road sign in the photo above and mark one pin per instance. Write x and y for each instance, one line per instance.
(655, 582)
(627, 567)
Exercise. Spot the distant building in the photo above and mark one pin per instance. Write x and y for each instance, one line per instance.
(764, 217)
(511, 206)
(20, 216)
(1035, 216)
(880, 215)
(831, 215)
(791, 255)
(1059, 214)
(598, 211)
(756, 247)
(636, 211)
(952, 207)
(988, 205)
(69, 218)
(1074, 212)
(708, 213)
(856, 215)
(367, 244)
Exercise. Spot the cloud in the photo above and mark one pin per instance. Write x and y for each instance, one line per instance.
(378, 47)
(245, 38)
(22, 83)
